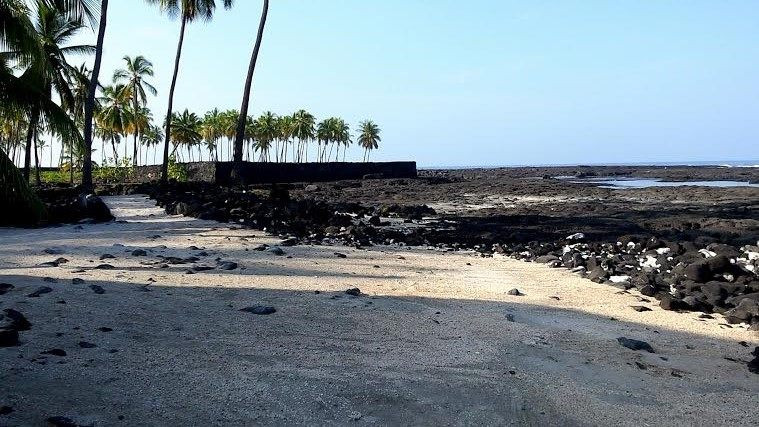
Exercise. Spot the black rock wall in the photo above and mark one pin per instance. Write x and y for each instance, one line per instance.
(264, 173)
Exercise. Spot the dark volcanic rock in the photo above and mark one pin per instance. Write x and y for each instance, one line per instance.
(8, 337)
(55, 352)
(5, 287)
(227, 265)
(261, 310)
(139, 252)
(698, 271)
(753, 365)
(514, 292)
(356, 292)
(746, 310)
(40, 291)
(85, 344)
(97, 289)
(105, 267)
(62, 422)
(18, 321)
(636, 345)
(640, 308)
(668, 302)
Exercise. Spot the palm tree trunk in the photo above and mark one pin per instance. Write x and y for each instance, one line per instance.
(248, 84)
(165, 166)
(89, 105)
(71, 163)
(29, 136)
(36, 161)
(136, 106)
(115, 152)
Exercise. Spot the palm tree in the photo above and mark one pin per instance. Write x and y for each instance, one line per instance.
(133, 77)
(323, 136)
(48, 71)
(266, 132)
(284, 133)
(369, 137)
(188, 11)
(89, 106)
(115, 116)
(303, 129)
(228, 128)
(240, 134)
(139, 121)
(211, 131)
(186, 130)
(151, 137)
(24, 94)
(342, 136)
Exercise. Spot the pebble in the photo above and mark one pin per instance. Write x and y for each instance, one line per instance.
(356, 292)
(40, 291)
(514, 292)
(261, 310)
(636, 345)
(227, 265)
(97, 289)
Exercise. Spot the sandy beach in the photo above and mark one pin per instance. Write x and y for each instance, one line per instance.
(433, 338)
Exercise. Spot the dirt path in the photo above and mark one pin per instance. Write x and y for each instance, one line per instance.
(434, 339)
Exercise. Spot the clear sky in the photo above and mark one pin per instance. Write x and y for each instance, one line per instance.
(480, 82)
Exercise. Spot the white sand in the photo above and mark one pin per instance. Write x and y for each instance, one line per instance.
(430, 342)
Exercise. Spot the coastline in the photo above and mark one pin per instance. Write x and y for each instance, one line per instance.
(430, 334)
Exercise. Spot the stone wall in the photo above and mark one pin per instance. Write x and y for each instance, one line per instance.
(265, 173)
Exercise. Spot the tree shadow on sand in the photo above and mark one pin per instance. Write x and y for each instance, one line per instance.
(188, 355)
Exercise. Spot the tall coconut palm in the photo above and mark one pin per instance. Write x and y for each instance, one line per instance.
(303, 129)
(228, 127)
(266, 133)
(211, 131)
(342, 137)
(139, 121)
(89, 106)
(47, 70)
(323, 137)
(241, 121)
(186, 130)
(151, 137)
(284, 133)
(133, 77)
(369, 137)
(188, 12)
(115, 115)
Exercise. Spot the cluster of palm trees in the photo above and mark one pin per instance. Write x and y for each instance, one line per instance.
(267, 138)
(43, 94)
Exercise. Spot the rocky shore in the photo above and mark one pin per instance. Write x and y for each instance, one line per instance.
(690, 248)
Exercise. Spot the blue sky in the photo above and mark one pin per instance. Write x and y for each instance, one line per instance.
(484, 82)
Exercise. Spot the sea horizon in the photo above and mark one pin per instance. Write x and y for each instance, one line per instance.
(711, 163)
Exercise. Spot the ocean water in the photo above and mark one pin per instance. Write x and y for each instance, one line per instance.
(715, 163)
(631, 183)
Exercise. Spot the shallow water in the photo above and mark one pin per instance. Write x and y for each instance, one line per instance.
(630, 183)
